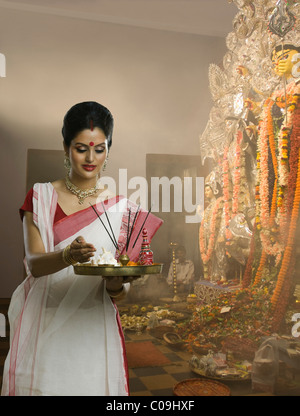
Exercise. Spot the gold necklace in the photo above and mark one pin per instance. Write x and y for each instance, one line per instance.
(81, 194)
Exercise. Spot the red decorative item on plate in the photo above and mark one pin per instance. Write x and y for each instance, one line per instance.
(146, 254)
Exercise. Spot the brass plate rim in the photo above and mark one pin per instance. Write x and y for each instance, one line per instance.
(107, 271)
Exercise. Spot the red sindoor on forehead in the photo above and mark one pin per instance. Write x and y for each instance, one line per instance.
(92, 128)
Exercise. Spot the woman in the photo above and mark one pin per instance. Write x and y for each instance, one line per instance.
(66, 337)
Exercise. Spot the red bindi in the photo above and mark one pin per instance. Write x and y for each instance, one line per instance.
(91, 143)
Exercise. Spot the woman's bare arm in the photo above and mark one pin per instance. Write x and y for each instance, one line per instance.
(41, 263)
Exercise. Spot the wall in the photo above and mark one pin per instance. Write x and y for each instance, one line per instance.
(154, 82)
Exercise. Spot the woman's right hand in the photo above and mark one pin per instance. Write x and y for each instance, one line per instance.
(80, 250)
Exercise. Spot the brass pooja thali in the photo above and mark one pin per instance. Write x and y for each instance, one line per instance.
(110, 270)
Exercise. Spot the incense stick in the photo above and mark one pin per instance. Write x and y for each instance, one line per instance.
(133, 224)
(109, 223)
(141, 228)
(128, 225)
(115, 245)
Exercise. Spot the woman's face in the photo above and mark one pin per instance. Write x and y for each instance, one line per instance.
(87, 153)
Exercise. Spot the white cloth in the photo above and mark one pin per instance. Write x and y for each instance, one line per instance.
(65, 336)
(185, 272)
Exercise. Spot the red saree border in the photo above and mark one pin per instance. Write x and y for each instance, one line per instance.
(73, 223)
(122, 339)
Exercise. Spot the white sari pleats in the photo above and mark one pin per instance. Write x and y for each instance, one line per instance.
(65, 337)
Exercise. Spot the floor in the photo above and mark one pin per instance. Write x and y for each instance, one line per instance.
(144, 381)
(156, 381)
(160, 381)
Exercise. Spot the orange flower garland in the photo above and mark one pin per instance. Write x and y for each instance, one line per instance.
(260, 269)
(274, 161)
(295, 143)
(290, 243)
(278, 310)
(268, 235)
(274, 219)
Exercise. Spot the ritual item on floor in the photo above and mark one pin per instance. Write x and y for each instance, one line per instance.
(133, 322)
(216, 366)
(176, 298)
(146, 254)
(153, 321)
(174, 340)
(164, 314)
(160, 330)
(203, 348)
(208, 292)
(192, 298)
(201, 387)
(162, 321)
(137, 318)
(239, 348)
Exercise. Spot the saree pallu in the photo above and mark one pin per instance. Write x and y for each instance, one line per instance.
(65, 332)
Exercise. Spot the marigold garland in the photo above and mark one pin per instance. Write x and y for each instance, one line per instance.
(278, 311)
(272, 222)
(260, 268)
(290, 242)
(280, 296)
(274, 209)
(293, 159)
(266, 216)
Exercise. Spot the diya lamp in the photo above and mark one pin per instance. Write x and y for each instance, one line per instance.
(176, 297)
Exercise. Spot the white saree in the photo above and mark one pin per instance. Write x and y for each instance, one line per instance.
(65, 333)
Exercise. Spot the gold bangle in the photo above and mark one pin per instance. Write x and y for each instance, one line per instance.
(67, 258)
(117, 295)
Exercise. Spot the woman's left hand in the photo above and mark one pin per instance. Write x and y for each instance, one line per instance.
(115, 283)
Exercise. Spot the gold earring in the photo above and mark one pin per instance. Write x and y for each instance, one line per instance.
(67, 164)
(104, 164)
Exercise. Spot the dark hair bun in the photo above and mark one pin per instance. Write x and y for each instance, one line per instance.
(84, 115)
